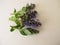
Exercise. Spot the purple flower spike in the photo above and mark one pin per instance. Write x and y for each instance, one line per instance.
(31, 14)
(36, 24)
(27, 23)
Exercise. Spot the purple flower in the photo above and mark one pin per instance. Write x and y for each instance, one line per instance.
(27, 23)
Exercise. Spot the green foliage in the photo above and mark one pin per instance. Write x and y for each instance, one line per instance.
(12, 18)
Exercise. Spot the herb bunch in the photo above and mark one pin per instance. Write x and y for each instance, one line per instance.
(25, 20)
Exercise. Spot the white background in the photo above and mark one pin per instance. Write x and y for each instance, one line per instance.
(49, 15)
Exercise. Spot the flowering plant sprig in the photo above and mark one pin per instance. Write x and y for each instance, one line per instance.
(25, 20)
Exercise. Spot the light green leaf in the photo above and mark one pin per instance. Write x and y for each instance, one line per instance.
(24, 9)
(12, 18)
(27, 32)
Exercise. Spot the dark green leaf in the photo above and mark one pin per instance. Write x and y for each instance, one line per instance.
(14, 10)
(17, 22)
(33, 31)
(17, 14)
(22, 32)
(28, 7)
(15, 27)
(20, 27)
(12, 29)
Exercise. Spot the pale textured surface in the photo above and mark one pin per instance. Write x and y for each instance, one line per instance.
(49, 14)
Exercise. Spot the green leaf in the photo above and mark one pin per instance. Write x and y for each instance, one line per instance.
(30, 30)
(20, 27)
(22, 12)
(24, 9)
(12, 18)
(17, 22)
(33, 31)
(12, 29)
(15, 27)
(17, 14)
(22, 32)
(14, 10)
(27, 32)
